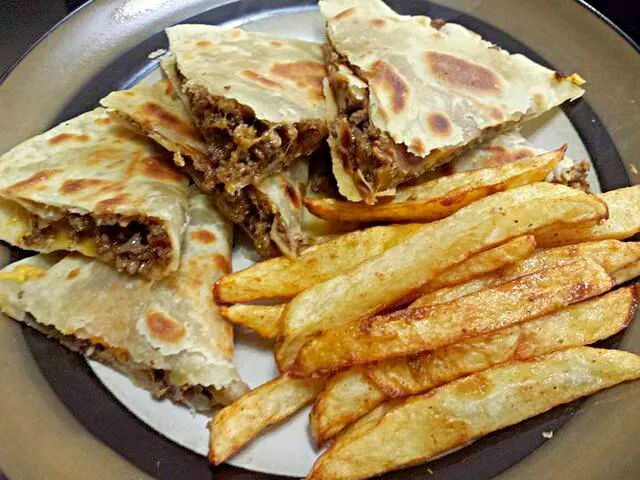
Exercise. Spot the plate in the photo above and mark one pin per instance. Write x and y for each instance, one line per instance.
(106, 46)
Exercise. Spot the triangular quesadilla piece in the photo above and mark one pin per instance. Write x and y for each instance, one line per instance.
(270, 211)
(167, 336)
(92, 186)
(411, 94)
(257, 100)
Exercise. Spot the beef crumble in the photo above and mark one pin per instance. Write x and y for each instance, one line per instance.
(126, 243)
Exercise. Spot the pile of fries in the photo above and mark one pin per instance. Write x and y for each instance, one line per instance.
(414, 339)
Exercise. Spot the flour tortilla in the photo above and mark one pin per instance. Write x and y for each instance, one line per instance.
(170, 325)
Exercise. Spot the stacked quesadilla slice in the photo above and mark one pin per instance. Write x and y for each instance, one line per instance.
(412, 94)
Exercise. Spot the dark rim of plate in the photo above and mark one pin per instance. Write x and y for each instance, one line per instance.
(108, 420)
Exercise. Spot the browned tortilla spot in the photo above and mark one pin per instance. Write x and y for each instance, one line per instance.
(103, 121)
(163, 117)
(417, 145)
(111, 203)
(276, 43)
(461, 73)
(126, 134)
(235, 33)
(304, 73)
(221, 263)
(169, 91)
(264, 81)
(165, 328)
(439, 124)
(65, 137)
(79, 184)
(203, 236)
(523, 153)
(204, 44)
(73, 273)
(345, 14)
(385, 79)
(496, 114)
(156, 168)
(559, 76)
(35, 180)
(290, 193)
(539, 101)
(378, 22)
(129, 93)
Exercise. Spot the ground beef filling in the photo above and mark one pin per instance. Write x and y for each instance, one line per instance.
(574, 176)
(157, 381)
(244, 149)
(128, 244)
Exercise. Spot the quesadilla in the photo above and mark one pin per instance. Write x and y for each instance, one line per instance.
(91, 186)
(167, 336)
(270, 211)
(412, 94)
(257, 100)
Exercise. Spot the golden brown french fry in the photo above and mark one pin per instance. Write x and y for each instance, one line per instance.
(623, 221)
(236, 425)
(419, 329)
(263, 319)
(353, 393)
(440, 198)
(420, 428)
(285, 277)
(626, 273)
(392, 275)
(612, 255)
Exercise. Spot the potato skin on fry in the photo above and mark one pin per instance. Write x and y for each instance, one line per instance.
(236, 425)
(415, 330)
(353, 393)
(442, 197)
(419, 428)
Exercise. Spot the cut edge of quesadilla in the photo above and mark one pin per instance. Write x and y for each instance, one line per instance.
(379, 140)
(167, 337)
(91, 186)
(258, 116)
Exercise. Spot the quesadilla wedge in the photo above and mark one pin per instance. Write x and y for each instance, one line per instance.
(270, 212)
(167, 336)
(257, 100)
(411, 94)
(91, 186)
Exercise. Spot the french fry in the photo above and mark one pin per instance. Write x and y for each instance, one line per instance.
(420, 329)
(263, 319)
(420, 428)
(440, 198)
(623, 222)
(353, 393)
(285, 277)
(392, 275)
(612, 255)
(236, 425)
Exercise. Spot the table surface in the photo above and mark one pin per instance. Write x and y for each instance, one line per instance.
(22, 22)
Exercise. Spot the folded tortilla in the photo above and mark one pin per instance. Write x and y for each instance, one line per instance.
(91, 186)
(257, 100)
(167, 335)
(270, 211)
(412, 94)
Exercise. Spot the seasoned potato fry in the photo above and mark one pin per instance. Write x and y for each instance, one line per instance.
(623, 222)
(612, 255)
(440, 198)
(263, 319)
(234, 426)
(353, 393)
(285, 277)
(392, 275)
(419, 329)
(419, 428)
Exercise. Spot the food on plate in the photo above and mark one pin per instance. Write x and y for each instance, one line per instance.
(439, 198)
(266, 405)
(417, 429)
(419, 329)
(380, 281)
(411, 94)
(353, 393)
(623, 221)
(92, 186)
(265, 319)
(270, 212)
(167, 336)
(257, 100)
